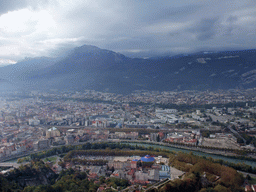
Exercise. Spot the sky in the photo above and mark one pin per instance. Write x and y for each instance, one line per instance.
(135, 28)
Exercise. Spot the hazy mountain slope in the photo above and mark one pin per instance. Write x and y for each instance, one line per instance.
(24, 68)
(83, 59)
(7, 86)
(89, 67)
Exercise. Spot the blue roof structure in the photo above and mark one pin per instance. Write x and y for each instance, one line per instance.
(147, 158)
(164, 174)
(165, 168)
(135, 160)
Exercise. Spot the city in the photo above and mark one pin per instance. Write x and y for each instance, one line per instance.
(129, 96)
(38, 121)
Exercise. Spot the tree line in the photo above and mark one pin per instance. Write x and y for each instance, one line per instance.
(148, 150)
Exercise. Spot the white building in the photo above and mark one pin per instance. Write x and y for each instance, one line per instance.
(33, 122)
(52, 132)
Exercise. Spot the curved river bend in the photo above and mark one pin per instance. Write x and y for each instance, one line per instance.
(214, 156)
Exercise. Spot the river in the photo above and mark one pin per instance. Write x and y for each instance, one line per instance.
(214, 156)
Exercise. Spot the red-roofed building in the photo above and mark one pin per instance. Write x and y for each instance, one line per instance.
(248, 188)
(140, 182)
(254, 188)
(161, 135)
(192, 141)
(100, 189)
(69, 165)
(134, 164)
(92, 176)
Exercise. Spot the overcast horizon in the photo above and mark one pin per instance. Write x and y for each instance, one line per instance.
(134, 28)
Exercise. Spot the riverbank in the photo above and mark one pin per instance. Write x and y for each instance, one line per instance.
(225, 156)
(249, 157)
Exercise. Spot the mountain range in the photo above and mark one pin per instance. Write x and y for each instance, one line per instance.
(89, 67)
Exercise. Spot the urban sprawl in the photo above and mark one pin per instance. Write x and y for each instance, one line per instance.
(221, 122)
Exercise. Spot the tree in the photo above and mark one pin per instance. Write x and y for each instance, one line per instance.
(221, 188)
(62, 164)
(158, 138)
(248, 177)
(112, 169)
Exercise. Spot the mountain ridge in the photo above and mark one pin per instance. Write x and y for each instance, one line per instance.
(89, 67)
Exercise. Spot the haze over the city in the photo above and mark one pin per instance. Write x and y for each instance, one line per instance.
(134, 28)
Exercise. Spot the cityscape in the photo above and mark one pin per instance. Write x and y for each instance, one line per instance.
(127, 96)
(36, 121)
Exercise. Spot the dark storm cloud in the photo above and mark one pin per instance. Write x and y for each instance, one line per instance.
(172, 13)
(231, 24)
(206, 29)
(232, 19)
(128, 26)
(13, 5)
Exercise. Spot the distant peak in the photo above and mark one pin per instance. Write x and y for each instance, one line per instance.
(87, 48)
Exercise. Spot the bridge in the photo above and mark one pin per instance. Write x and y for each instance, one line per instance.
(15, 165)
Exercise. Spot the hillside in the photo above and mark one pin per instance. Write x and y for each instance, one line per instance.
(89, 67)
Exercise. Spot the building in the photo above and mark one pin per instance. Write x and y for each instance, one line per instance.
(147, 161)
(141, 176)
(165, 172)
(166, 111)
(118, 164)
(134, 163)
(33, 122)
(153, 175)
(147, 158)
(175, 137)
(52, 132)
(70, 139)
(41, 144)
(154, 137)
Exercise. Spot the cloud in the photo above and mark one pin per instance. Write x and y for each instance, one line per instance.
(206, 28)
(6, 62)
(139, 28)
(231, 24)
(13, 5)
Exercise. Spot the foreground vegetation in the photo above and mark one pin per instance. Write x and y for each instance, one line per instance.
(212, 176)
(201, 174)
(38, 177)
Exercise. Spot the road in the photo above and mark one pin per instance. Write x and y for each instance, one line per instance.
(236, 133)
(245, 174)
(16, 165)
